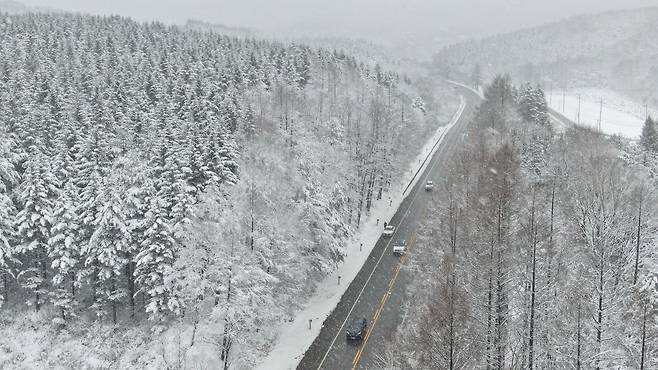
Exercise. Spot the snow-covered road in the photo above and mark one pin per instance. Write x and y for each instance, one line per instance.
(364, 256)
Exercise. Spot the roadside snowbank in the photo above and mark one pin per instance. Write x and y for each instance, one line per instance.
(295, 337)
(620, 116)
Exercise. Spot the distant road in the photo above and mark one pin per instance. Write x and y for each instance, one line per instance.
(561, 122)
(377, 292)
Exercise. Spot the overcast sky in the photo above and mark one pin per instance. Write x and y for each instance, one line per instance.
(365, 18)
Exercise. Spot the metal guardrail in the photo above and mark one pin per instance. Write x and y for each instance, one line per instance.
(454, 119)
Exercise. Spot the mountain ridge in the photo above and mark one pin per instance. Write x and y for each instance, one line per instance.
(614, 49)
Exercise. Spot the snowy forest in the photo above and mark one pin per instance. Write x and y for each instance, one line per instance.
(154, 178)
(539, 252)
(261, 186)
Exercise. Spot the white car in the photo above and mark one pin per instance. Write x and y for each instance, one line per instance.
(429, 186)
(388, 231)
(400, 247)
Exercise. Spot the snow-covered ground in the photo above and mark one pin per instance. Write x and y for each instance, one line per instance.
(620, 115)
(295, 337)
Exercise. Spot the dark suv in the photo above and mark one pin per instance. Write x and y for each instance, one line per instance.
(357, 329)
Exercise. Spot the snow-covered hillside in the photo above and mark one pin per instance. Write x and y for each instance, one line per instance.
(618, 115)
(617, 50)
(15, 7)
(197, 25)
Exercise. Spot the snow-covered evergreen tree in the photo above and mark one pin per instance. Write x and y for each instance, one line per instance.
(649, 137)
(155, 260)
(8, 180)
(533, 105)
(65, 250)
(105, 254)
(419, 104)
(33, 226)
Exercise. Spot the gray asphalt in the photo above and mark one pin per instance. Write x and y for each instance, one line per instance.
(331, 350)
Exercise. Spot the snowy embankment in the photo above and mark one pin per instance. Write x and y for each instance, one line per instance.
(295, 337)
(619, 116)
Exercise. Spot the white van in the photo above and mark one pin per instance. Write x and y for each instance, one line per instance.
(388, 231)
(400, 247)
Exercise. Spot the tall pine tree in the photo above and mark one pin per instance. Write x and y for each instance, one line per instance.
(33, 224)
(649, 138)
(8, 180)
(155, 261)
(106, 251)
(65, 250)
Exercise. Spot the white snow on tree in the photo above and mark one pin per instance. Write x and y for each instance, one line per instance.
(33, 226)
(105, 254)
(8, 180)
(419, 103)
(154, 262)
(65, 250)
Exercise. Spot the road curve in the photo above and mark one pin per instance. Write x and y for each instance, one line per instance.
(377, 292)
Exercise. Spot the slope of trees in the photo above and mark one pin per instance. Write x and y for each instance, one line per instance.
(185, 177)
(535, 258)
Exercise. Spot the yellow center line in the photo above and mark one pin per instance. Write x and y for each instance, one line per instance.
(357, 358)
(391, 284)
(430, 168)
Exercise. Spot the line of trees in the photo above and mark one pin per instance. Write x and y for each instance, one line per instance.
(540, 248)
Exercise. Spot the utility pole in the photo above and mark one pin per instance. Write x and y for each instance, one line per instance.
(644, 336)
(251, 203)
(637, 243)
(564, 97)
(578, 109)
(600, 114)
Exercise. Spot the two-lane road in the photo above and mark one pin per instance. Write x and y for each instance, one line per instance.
(377, 292)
